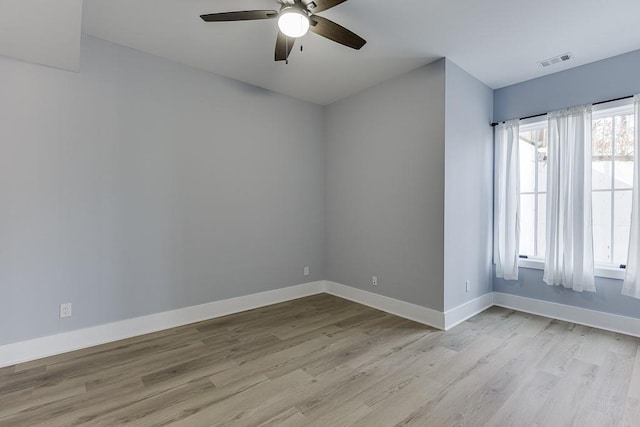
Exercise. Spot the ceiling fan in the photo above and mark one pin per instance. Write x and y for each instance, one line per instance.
(295, 19)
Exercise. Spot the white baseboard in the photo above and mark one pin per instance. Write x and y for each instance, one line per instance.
(25, 351)
(466, 311)
(457, 315)
(582, 316)
(404, 309)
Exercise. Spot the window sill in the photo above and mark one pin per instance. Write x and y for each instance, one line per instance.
(600, 271)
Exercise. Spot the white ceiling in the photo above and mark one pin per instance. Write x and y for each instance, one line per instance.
(498, 41)
(42, 31)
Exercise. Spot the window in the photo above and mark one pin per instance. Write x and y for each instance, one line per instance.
(612, 135)
(612, 163)
(533, 188)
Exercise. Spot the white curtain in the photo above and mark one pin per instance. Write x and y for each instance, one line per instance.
(569, 255)
(631, 286)
(506, 219)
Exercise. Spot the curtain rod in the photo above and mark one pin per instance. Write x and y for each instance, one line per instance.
(544, 114)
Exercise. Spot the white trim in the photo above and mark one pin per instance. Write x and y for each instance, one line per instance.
(582, 316)
(25, 351)
(613, 108)
(609, 272)
(534, 263)
(410, 311)
(533, 123)
(466, 311)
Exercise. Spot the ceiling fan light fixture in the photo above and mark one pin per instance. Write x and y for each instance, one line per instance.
(293, 22)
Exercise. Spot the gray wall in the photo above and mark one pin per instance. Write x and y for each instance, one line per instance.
(140, 185)
(385, 187)
(599, 81)
(607, 298)
(468, 183)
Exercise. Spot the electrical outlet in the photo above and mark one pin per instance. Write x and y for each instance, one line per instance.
(306, 271)
(65, 310)
(374, 280)
(468, 286)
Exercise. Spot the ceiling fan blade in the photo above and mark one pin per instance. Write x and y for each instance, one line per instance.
(315, 6)
(284, 45)
(246, 15)
(329, 29)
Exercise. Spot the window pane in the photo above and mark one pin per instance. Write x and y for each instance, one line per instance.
(624, 151)
(601, 177)
(602, 137)
(602, 146)
(542, 224)
(622, 226)
(602, 226)
(527, 221)
(527, 165)
(624, 172)
(542, 169)
(624, 135)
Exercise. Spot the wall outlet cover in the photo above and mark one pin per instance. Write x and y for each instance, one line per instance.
(65, 310)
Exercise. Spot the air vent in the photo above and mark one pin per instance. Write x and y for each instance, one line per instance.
(556, 60)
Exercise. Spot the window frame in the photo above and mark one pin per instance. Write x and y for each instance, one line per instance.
(603, 111)
(609, 109)
(534, 123)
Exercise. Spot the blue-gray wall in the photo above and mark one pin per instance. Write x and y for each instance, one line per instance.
(385, 187)
(468, 209)
(599, 81)
(611, 78)
(607, 297)
(140, 185)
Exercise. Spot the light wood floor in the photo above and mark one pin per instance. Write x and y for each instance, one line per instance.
(324, 361)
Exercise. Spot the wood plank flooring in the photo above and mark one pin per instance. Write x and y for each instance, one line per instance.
(324, 361)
